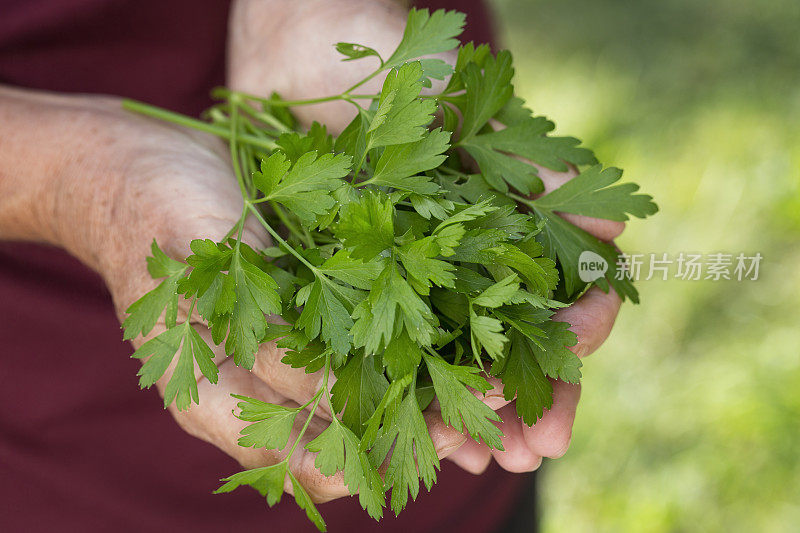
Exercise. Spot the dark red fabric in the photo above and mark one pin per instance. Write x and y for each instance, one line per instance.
(81, 448)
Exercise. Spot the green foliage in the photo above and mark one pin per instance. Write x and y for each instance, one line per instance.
(391, 261)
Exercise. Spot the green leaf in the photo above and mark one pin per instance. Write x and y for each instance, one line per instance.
(305, 187)
(160, 352)
(498, 294)
(399, 165)
(552, 354)
(593, 194)
(353, 51)
(427, 34)
(391, 306)
(160, 265)
(337, 449)
(271, 424)
(539, 273)
(422, 269)
(434, 68)
(305, 502)
(566, 242)
(208, 259)
(366, 226)
(486, 332)
(255, 296)
(359, 274)
(358, 390)
(144, 312)
(402, 356)
(460, 408)
(267, 480)
(487, 91)
(522, 377)
(401, 116)
(353, 139)
(526, 139)
(325, 312)
(413, 456)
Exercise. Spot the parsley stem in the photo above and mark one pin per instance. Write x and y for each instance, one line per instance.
(277, 237)
(300, 233)
(189, 122)
(521, 199)
(318, 397)
(365, 80)
(234, 132)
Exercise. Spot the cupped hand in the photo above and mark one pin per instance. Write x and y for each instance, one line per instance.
(591, 317)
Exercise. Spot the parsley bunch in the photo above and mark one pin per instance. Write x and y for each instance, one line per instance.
(409, 258)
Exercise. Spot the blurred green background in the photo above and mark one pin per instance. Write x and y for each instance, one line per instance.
(690, 415)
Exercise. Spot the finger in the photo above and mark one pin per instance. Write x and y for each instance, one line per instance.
(474, 457)
(494, 397)
(293, 383)
(516, 456)
(320, 487)
(605, 230)
(212, 420)
(591, 317)
(551, 435)
(446, 440)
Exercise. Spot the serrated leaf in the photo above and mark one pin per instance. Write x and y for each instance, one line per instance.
(487, 333)
(593, 194)
(360, 274)
(366, 226)
(325, 313)
(358, 389)
(390, 306)
(399, 165)
(498, 294)
(337, 449)
(460, 408)
(267, 480)
(522, 377)
(160, 351)
(487, 91)
(413, 456)
(255, 296)
(401, 116)
(304, 188)
(427, 34)
(270, 424)
(304, 501)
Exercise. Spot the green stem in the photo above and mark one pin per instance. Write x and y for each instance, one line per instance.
(281, 240)
(365, 80)
(318, 397)
(234, 147)
(521, 199)
(183, 120)
(264, 117)
(301, 234)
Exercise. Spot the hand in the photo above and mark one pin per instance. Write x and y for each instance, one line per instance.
(592, 317)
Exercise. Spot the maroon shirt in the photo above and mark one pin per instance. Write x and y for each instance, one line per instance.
(81, 447)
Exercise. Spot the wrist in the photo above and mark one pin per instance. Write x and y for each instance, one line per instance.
(56, 184)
